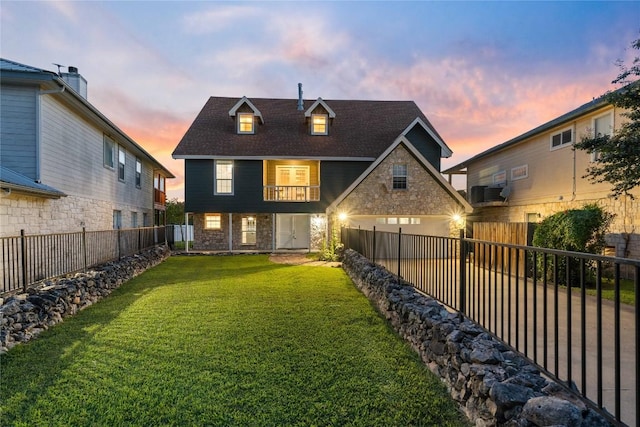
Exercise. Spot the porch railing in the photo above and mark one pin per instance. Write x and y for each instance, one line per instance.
(546, 304)
(291, 193)
(28, 259)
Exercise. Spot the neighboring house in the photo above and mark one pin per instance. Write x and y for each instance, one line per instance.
(539, 173)
(269, 174)
(64, 165)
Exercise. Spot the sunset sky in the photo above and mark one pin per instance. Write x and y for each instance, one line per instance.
(483, 72)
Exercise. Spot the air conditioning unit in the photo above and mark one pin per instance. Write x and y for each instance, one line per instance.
(492, 194)
(476, 195)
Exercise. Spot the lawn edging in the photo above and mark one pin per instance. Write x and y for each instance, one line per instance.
(24, 316)
(492, 384)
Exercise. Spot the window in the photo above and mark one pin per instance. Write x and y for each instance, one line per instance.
(134, 219)
(109, 152)
(562, 138)
(500, 177)
(415, 221)
(519, 172)
(249, 230)
(121, 160)
(224, 177)
(138, 173)
(399, 177)
(381, 220)
(212, 221)
(319, 124)
(602, 126)
(245, 123)
(117, 219)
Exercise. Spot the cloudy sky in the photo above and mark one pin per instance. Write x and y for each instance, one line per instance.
(483, 72)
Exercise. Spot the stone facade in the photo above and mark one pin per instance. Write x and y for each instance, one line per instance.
(37, 215)
(24, 316)
(492, 384)
(624, 234)
(423, 196)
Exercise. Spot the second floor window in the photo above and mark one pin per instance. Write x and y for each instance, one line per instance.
(319, 124)
(109, 152)
(138, 173)
(121, 161)
(223, 182)
(245, 123)
(562, 138)
(399, 177)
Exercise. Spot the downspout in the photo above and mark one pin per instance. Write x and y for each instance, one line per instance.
(39, 126)
(573, 184)
(230, 232)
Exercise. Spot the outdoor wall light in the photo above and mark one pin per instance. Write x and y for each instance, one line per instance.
(458, 220)
(342, 216)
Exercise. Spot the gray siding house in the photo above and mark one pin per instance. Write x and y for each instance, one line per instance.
(271, 174)
(64, 165)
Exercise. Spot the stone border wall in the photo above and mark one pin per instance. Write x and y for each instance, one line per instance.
(492, 384)
(24, 316)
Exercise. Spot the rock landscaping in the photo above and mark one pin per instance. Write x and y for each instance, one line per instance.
(24, 316)
(493, 384)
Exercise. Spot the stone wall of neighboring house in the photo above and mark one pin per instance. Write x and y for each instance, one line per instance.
(624, 233)
(492, 384)
(37, 215)
(24, 316)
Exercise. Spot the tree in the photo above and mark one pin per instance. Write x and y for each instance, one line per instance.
(618, 156)
(175, 211)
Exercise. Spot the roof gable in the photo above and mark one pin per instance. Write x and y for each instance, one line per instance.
(320, 101)
(420, 158)
(445, 151)
(244, 100)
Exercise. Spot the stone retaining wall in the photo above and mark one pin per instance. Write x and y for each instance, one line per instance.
(493, 384)
(24, 316)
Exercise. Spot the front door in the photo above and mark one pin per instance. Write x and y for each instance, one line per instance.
(293, 231)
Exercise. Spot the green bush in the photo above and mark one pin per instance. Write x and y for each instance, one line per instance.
(576, 230)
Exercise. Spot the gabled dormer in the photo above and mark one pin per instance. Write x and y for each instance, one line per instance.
(319, 116)
(247, 116)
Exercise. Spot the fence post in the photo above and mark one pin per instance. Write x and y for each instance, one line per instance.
(23, 244)
(373, 254)
(84, 249)
(462, 273)
(139, 239)
(399, 250)
(118, 237)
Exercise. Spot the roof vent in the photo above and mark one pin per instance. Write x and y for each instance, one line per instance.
(300, 101)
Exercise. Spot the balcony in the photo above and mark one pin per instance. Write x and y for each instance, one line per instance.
(291, 193)
(159, 197)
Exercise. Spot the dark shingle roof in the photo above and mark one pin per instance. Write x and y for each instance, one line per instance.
(361, 129)
(8, 65)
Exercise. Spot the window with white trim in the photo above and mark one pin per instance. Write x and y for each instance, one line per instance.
(138, 173)
(319, 124)
(519, 172)
(223, 178)
(249, 230)
(212, 221)
(117, 219)
(245, 123)
(562, 138)
(399, 177)
(121, 163)
(109, 152)
(602, 126)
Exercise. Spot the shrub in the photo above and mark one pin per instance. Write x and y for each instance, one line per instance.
(576, 230)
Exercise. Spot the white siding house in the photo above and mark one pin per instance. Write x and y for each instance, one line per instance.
(62, 160)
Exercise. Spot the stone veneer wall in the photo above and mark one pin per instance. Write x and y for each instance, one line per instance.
(37, 215)
(264, 232)
(423, 196)
(624, 231)
(492, 384)
(24, 316)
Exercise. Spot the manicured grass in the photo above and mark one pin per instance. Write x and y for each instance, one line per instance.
(224, 341)
(627, 292)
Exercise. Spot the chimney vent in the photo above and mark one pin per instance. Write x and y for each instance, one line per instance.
(300, 101)
(75, 81)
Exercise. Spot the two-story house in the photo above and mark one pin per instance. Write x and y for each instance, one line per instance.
(64, 165)
(268, 174)
(539, 173)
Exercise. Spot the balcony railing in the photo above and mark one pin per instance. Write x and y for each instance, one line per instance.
(159, 196)
(291, 193)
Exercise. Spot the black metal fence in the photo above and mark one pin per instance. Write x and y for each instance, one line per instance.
(28, 259)
(546, 304)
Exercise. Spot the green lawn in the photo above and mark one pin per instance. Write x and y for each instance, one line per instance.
(224, 341)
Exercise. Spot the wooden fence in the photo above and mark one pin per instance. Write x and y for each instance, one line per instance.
(514, 233)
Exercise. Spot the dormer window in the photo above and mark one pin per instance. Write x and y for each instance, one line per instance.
(245, 123)
(319, 124)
